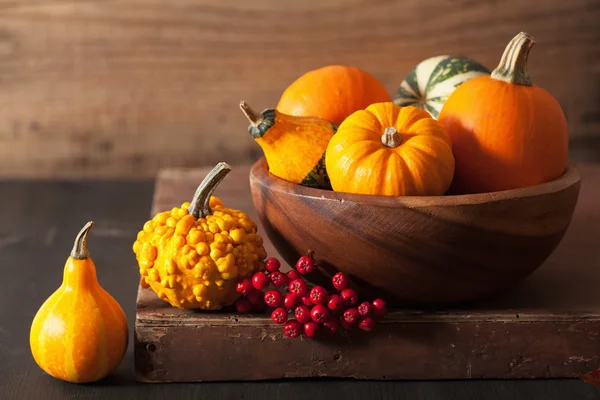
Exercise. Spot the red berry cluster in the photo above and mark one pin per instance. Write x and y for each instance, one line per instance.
(312, 310)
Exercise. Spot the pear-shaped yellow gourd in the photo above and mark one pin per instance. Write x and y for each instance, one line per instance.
(294, 146)
(80, 333)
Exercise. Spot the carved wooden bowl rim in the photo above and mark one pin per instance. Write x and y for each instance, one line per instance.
(259, 173)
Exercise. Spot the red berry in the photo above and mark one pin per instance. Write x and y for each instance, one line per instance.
(257, 299)
(365, 309)
(311, 329)
(279, 315)
(319, 295)
(292, 328)
(305, 264)
(302, 314)
(345, 325)
(320, 313)
(273, 298)
(340, 281)
(335, 303)
(351, 315)
(260, 280)
(367, 324)
(290, 301)
(350, 297)
(379, 308)
(298, 287)
(243, 306)
(277, 279)
(331, 325)
(244, 286)
(293, 274)
(307, 301)
(272, 264)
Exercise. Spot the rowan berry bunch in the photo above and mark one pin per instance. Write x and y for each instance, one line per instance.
(303, 309)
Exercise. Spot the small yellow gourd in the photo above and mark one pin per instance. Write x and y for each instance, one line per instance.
(294, 146)
(192, 256)
(80, 332)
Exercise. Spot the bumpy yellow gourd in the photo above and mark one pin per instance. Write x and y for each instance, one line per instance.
(192, 256)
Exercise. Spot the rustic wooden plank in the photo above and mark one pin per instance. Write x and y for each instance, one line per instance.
(548, 326)
(122, 88)
(27, 230)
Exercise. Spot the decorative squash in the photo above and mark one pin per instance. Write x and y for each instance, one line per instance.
(434, 79)
(332, 93)
(192, 256)
(506, 132)
(80, 332)
(390, 150)
(294, 147)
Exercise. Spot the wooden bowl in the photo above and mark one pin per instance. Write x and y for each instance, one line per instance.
(418, 251)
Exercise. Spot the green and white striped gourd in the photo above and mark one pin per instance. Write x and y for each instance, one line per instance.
(430, 83)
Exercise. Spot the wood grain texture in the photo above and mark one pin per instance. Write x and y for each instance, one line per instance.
(425, 251)
(121, 88)
(28, 229)
(170, 345)
(546, 326)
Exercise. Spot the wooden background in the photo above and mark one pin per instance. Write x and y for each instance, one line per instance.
(122, 88)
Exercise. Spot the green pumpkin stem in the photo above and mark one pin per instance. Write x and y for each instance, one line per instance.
(259, 122)
(513, 64)
(391, 138)
(200, 204)
(80, 251)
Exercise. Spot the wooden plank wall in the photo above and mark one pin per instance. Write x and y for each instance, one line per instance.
(122, 88)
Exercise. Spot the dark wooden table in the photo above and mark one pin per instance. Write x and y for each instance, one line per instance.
(38, 221)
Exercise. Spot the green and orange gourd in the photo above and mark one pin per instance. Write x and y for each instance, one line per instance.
(294, 146)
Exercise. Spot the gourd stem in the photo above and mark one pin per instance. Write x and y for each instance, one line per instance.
(200, 204)
(513, 64)
(391, 138)
(80, 251)
(254, 117)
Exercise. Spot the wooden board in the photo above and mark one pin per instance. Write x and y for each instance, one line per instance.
(122, 88)
(548, 326)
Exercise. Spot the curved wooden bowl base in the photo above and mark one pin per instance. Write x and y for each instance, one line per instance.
(418, 251)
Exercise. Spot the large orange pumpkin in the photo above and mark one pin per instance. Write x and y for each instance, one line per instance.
(506, 132)
(390, 150)
(332, 93)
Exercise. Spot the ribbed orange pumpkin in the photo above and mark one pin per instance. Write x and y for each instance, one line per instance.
(332, 93)
(80, 333)
(390, 150)
(506, 133)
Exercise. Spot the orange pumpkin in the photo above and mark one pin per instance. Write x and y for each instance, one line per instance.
(80, 332)
(332, 93)
(391, 151)
(506, 132)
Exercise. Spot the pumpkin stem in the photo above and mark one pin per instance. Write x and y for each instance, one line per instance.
(254, 117)
(391, 138)
(200, 205)
(80, 251)
(513, 64)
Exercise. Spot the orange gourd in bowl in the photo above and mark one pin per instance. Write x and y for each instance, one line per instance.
(389, 150)
(80, 332)
(332, 92)
(506, 132)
